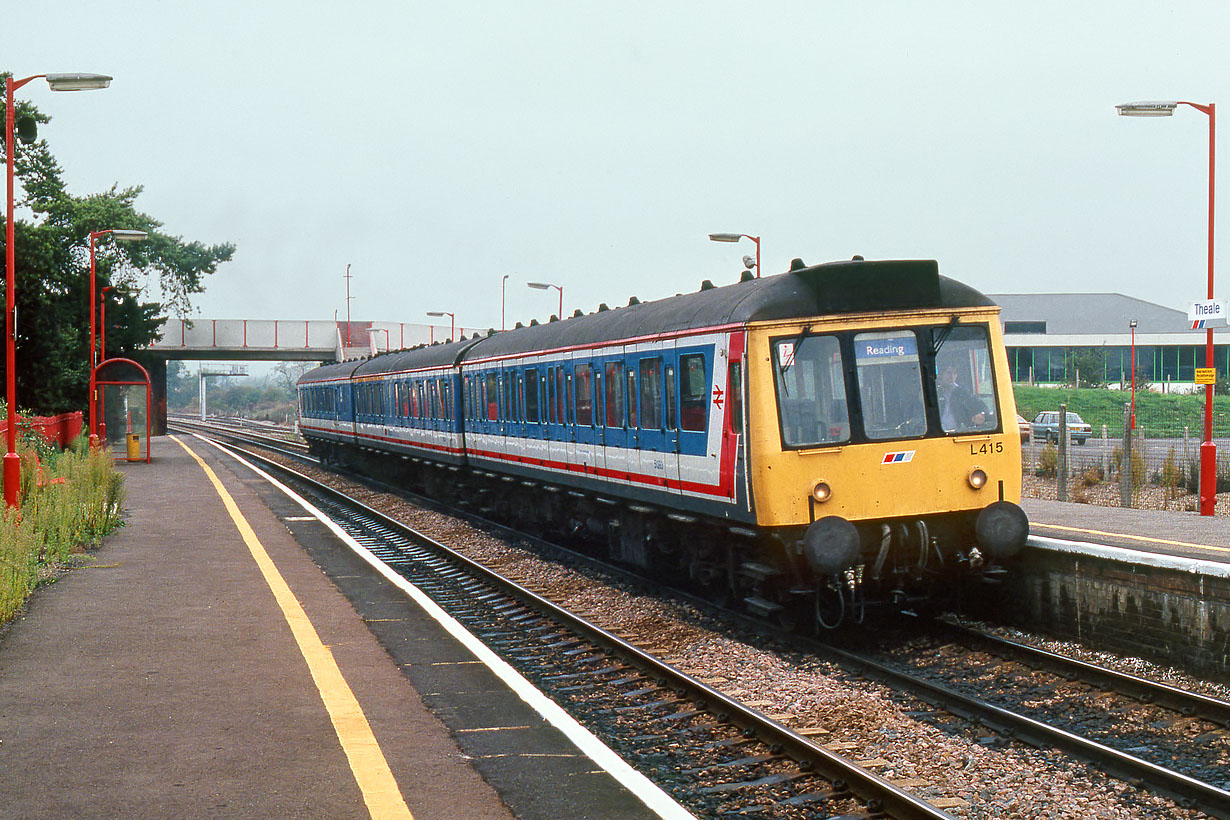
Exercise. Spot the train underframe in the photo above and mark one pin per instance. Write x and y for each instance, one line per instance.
(809, 578)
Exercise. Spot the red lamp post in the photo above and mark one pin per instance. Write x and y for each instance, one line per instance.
(547, 286)
(118, 234)
(503, 299)
(1208, 450)
(58, 82)
(735, 237)
(452, 331)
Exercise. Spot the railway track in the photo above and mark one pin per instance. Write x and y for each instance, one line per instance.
(713, 754)
(1135, 761)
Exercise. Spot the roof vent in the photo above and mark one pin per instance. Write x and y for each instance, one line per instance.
(633, 301)
(533, 323)
(519, 326)
(578, 314)
(553, 318)
(797, 264)
(706, 285)
(602, 307)
(747, 276)
(858, 257)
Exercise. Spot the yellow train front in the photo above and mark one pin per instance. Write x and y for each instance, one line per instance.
(882, 449)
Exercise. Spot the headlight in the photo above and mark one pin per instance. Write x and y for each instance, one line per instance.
(822, 492)
(977, 478)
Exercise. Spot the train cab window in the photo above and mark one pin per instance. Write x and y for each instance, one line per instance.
(811, 391)
(614, 394)
(531, 396)
(651, 394)
(693, 393)
(963, 383)
(632, 408)
(583, 382)
(890, 384)
(734, 395)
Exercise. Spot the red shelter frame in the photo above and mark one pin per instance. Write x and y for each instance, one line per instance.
(102, 379)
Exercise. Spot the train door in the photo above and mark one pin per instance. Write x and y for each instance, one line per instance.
(586, 378)
(615, 417)
(698, 460)
(534, 414)
(670, 416)
(645, 383)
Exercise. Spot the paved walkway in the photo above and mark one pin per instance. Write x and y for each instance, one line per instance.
(164, 680)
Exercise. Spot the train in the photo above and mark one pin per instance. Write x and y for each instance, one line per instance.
(814, 446)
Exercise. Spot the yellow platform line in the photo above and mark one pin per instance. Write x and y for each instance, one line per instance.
(371, 771)
(1143, 538)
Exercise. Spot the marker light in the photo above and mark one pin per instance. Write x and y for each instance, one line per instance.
(822, 492)
(977, 478)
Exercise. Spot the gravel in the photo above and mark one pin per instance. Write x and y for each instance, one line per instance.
(969, 772)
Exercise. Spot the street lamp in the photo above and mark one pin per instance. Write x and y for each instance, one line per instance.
(118, 234)
(735, 237)
(58, 82)
(1133, 326)
(1208, 450)
(548, 286)
(503, 299)
(452, 331)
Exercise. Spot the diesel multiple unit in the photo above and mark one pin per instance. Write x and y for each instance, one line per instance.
(815, 443)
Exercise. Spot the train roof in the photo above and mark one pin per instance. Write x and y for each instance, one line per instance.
(856, 286)
(832, 288)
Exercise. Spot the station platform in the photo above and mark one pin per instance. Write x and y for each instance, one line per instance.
(204, 665)
(1180, 535)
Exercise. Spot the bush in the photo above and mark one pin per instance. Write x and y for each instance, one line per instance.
(69, 502)
(1048, 461)
(1138, 466)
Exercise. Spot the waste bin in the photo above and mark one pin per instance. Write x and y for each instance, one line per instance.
(134, 447)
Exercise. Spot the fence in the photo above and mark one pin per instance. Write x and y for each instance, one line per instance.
(1164, 457)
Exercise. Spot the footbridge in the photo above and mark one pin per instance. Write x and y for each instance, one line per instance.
(289, 339)
(272, 340)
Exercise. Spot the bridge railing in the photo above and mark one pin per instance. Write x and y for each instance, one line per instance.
(290, 335)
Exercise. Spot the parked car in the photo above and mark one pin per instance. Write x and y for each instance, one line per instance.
(1025, 427)
(1046, 425)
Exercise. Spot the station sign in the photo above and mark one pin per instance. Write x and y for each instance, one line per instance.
(1206, 375)
(1208, 313)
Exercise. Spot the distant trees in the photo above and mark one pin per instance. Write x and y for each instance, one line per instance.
(52, 276)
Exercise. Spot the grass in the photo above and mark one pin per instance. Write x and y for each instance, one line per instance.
(69, 501)
(1161, 415)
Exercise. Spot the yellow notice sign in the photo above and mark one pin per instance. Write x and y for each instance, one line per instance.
(1206, 375)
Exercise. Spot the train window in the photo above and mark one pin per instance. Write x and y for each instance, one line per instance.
(584, 394)
(448, 400)
(651, 394)
(531, 396)
(550, 398)
(811, 391)
(964, 386)
(491, 397)
(672, 413)
(890, 384)
(614, 394)
(693, 393)
(560, 396)
(632, 414)
(734, 395)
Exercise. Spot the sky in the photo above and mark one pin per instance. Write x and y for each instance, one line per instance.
(437, 147)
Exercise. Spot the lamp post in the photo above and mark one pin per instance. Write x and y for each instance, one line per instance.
(118, 234)
(452, 331)
(1208, 450)
(735, 237)
(503, 299)
(1133, 326)
(57, 82)
(547, 286)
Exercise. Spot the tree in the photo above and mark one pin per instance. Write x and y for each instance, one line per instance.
(52, 276)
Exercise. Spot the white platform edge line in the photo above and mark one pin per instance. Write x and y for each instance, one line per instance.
(1215, 569)
(642, 787)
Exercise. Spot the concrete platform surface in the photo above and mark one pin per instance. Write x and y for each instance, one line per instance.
(162, 680)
